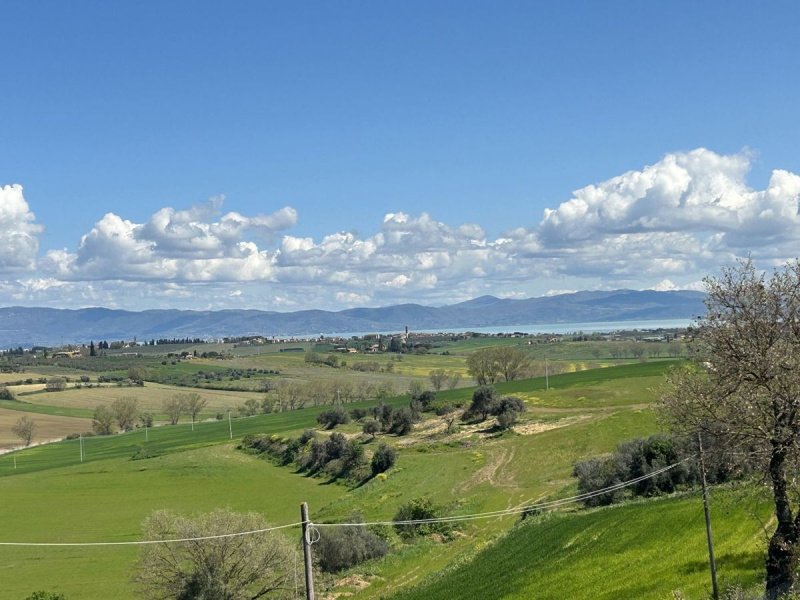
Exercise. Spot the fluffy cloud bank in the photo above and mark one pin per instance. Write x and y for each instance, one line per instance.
(19, 241)
(661, 227)
(174, 245)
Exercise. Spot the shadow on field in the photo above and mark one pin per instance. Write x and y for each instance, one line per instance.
(739, 561)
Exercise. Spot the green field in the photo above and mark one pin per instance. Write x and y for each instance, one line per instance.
(107, 500)
(51, 496)
(644, 550)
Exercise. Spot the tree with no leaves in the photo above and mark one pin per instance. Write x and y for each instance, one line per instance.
(24, 429)
(437, 377)
(481, 366)
(487, 365)
(235, 567)
(193, 403)
(510, 362)
(744, 388)
(173, 407)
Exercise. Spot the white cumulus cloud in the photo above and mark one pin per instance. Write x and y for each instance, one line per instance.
(174, 245)
(663, 226)
(19, 232)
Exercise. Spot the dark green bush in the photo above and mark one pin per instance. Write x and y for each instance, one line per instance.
(333, 417)
(402, 421)
(416, 510)
(340, 548)
(383, 459)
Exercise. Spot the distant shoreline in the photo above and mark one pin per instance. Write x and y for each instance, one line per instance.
(540, 328)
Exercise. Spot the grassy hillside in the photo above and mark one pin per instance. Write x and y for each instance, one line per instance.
(52, 497)
(107, 500)
(642, 550)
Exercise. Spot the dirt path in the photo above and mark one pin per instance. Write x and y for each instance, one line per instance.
(494, 472)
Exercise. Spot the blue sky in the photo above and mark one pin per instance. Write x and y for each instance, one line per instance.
(380, 152)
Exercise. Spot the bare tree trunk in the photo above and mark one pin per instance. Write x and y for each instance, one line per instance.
(782, 549)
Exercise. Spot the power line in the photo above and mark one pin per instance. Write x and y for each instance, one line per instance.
(513, 511)
(446, 519)
(145, 542)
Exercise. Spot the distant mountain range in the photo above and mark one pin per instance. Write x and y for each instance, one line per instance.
(20, 326)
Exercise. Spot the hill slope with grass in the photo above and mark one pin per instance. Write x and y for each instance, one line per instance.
(52, 496)
(644, 550)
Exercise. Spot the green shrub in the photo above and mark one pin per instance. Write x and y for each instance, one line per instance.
(371, 427)
(383, 459)
(402, 421)
(419, 509)
(333, 417)
(340, 548)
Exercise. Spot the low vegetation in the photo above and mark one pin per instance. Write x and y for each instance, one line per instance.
(250, 566)
(393, 449)
(341, 548)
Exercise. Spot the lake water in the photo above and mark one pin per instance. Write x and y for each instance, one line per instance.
(556, 328)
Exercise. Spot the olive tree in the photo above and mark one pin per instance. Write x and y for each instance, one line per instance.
(225, 567)
(103, 420)
(744, 388)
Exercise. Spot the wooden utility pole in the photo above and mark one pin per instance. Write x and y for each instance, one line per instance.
(307, 551)
(711, 561)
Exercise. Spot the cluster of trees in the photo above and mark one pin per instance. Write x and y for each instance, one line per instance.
(318, 359)
(122, 413)
(335, 455)
(387, 419)
(377, 419)
(291, 395)
(485, 403)
(163, 341)
(642, 456)
(55, 384)
(440, 378)
(190, 404)
(489, 365)
(332, 417)
(211, 564)
(383, 418)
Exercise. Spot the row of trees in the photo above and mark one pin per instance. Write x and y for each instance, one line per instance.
(189, 404)
(335, 455)
(440, 379)
(291, 395)
(124, 413)
(496, 363)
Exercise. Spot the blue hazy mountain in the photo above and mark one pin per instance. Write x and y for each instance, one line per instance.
(49, 326)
